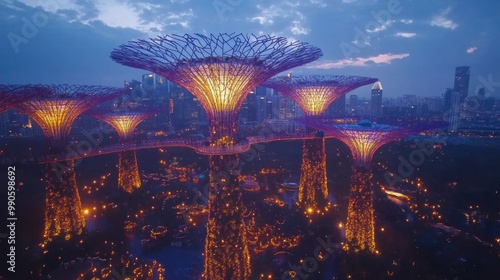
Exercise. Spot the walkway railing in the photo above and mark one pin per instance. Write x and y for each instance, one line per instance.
(200, 146)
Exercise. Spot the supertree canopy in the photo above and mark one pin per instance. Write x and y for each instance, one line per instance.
(315, 93)
(124, 122)
(220, 70)
(55, 107)
(365, 138)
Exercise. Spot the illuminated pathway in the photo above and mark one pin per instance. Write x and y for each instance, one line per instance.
(314, 94)
(220, 71)
(198, 145)
(364, 139)
(55, 108)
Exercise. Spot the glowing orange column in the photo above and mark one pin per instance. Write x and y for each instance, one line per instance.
(313, 188)
(63, 208)
(360, 225)
(226, 248)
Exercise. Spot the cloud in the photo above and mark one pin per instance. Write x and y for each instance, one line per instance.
(386, 24)
(283, 14)
(386, 58)
(145, 17)
(405, 34)
(471, 49)
(443, 21)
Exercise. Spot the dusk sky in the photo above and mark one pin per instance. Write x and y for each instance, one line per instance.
(413, 47)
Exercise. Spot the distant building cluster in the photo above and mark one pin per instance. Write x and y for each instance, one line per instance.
(184, 113)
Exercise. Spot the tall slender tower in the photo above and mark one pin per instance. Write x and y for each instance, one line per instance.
(376, 100)
(220, 70)
(125, 123)
(314, 94)
(364, 139)
(461, 83)
(54, 108)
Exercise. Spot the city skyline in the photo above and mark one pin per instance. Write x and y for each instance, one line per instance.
(413, 50)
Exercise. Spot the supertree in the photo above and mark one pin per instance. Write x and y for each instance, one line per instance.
(125, 124)
(54, 108)
(314, 94)
(220, 70)
(364, 139)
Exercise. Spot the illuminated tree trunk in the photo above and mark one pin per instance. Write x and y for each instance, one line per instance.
(360, 226)
(128, 171)
(226, 249)
(63, 208)
(313, 189)
(223, 126)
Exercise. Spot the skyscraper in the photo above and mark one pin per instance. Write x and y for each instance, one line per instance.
(461, 85)
(454, 113)
(337, 108)
(376, 101)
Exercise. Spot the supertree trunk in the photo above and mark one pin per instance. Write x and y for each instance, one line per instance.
(226, 250)
(63, 208)
(360, 226)
(128, 171)
(313, 188)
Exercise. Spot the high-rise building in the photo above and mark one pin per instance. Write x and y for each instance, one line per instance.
(353, 100)
(154, 86)
(454, 112)
(461, 85)
(337, 108)
(376, 100)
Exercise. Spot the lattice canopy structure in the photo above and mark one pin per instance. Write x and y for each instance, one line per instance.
(124, 122)
(55, 107)
(220, 70)
(11, 95)
(365, 138)
(315, 93)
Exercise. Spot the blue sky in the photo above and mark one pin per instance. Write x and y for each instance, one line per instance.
(413, 47)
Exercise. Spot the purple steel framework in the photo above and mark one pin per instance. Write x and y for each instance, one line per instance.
(11, 95)
(55, 107)
(365, 138)
(220, 70)
(124, 122)
(315, 93)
